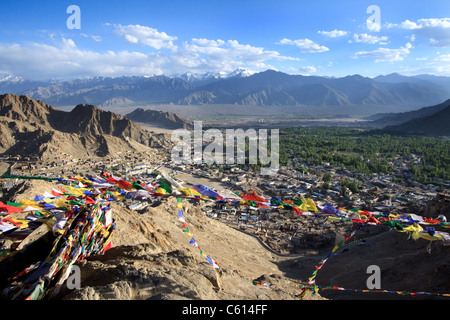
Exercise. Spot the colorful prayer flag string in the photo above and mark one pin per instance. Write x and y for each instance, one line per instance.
(192, 241)
(316, 288)
(84, 194)
(263, 284)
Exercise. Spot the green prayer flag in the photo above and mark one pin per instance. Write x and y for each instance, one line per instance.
(166, 186)
(14, 204)
(73, 202)
(393, 224)
(276, 202)
(138, 186)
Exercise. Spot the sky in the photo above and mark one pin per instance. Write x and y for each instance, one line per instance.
(63, 40)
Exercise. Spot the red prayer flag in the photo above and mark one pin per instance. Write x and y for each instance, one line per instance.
(89, 200)
(125, 184)
(297, 210)
(9, 209)
(108, 246)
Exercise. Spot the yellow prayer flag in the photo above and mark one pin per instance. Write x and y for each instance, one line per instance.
(160, 191)
(189, 192)
(61, 203)
(308, 205)
(29, 202)
(429, 237)
(331, 218)
(413, 228)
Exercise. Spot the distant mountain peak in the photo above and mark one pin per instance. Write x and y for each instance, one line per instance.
(193, 76)
(239, 87)
(7, 77)
(241, 72)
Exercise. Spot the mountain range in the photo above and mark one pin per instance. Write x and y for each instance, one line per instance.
(268, 88)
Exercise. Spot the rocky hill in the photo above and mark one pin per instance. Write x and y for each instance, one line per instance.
(435, 124)
(152, 259)
(167, 120)
(30, 126)
(393, 119)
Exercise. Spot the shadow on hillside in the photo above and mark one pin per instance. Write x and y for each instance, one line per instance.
(410, 270)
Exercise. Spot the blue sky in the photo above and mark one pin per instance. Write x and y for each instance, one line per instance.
(327, 38)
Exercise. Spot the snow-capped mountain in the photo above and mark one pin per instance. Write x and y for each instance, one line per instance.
(7, 77)
(239, 87)
(10, 83)
(191, 77)
(241, 72)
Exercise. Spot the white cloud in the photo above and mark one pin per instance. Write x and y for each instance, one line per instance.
(67, 61)
(442, 58)
(151, 37)
(439, 66)
(333, 34)
(385, 54)
(437, 31)
(367, 38)
(208, 43)
(64, 60)
(409, 25)
(305, 45)
(307, 70)
(219, 55)
(427, 23)
(93, 37)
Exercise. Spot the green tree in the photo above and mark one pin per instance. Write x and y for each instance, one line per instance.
(326, 177)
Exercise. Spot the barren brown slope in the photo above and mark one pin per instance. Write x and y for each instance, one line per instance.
(30, 127)
(168, 120)
(151, 258)
(24, 109)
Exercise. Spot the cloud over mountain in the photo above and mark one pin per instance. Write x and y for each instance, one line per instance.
(137, 34)
(435, 30)
(385, 54)
(305, 45)
(64, 59)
